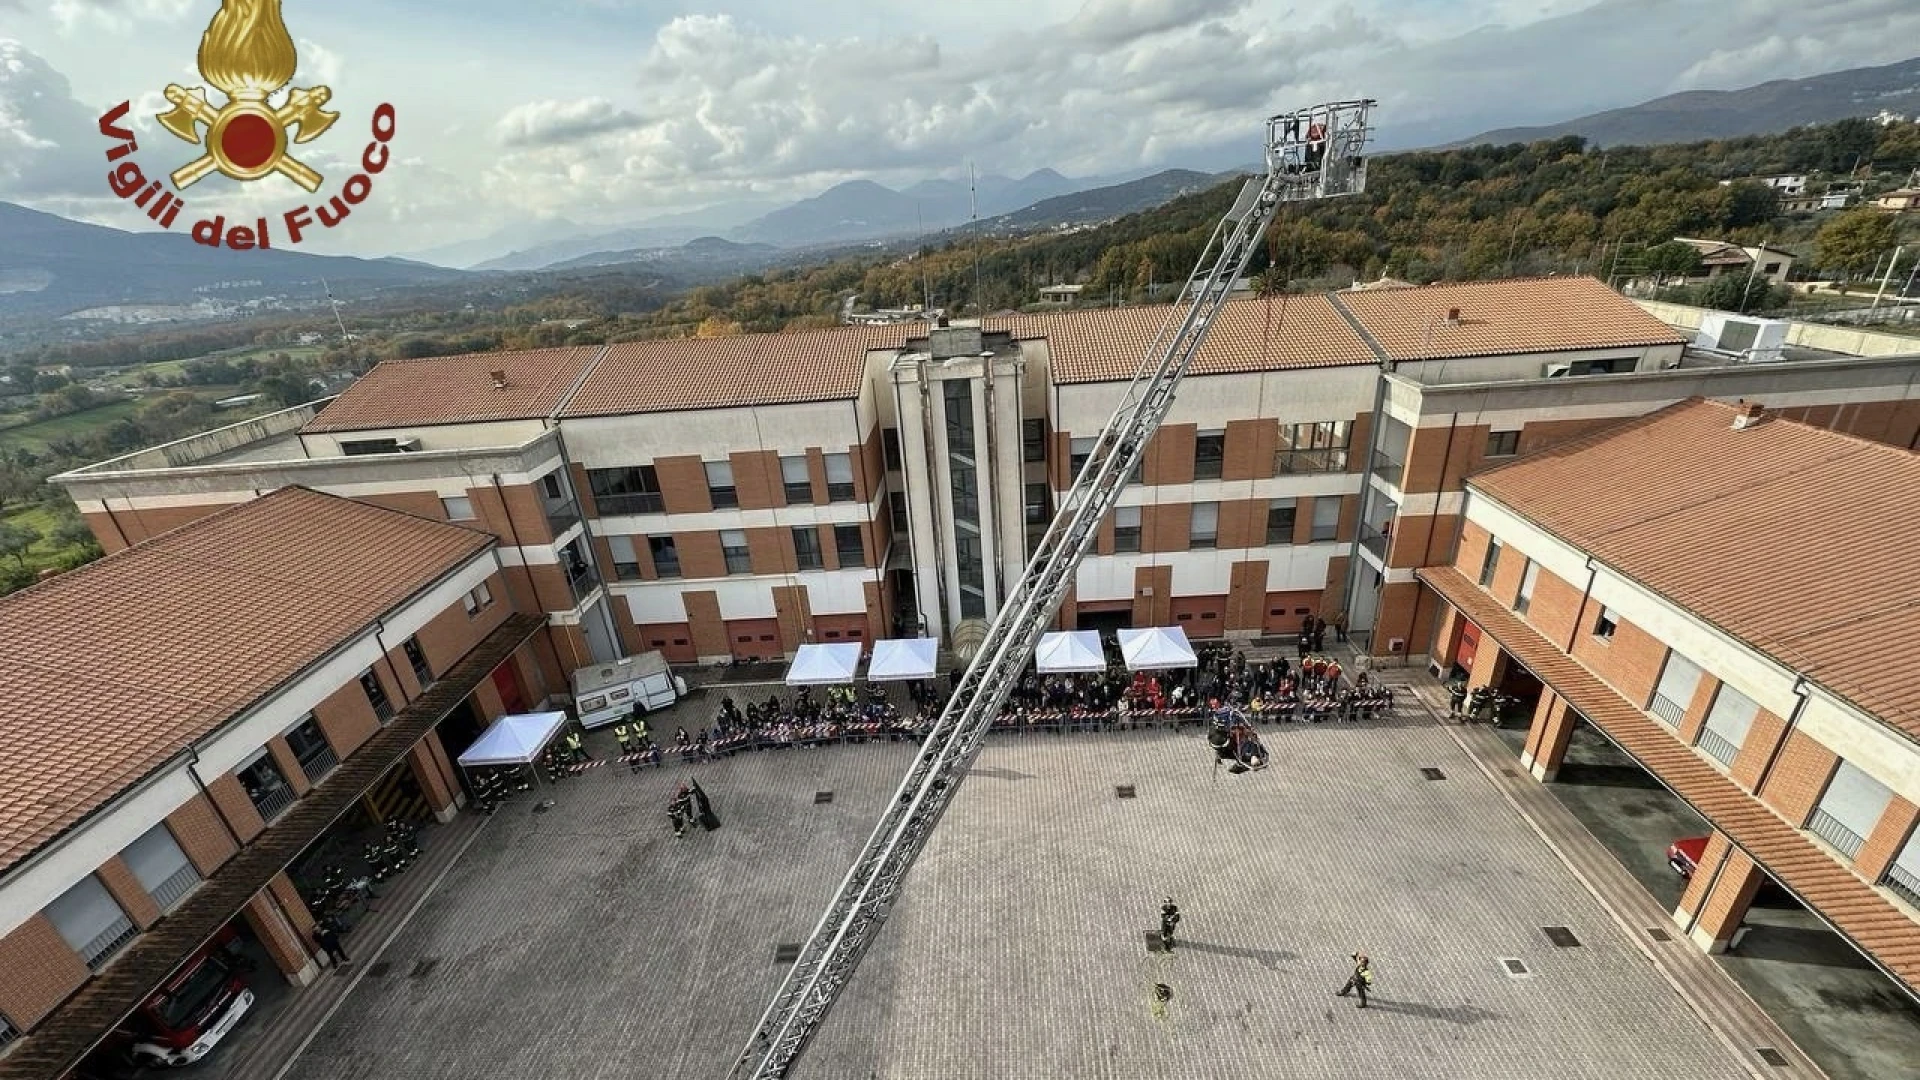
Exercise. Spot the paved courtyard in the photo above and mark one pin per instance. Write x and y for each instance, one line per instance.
(587, 942)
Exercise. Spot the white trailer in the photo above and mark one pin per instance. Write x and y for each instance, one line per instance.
(608, 693)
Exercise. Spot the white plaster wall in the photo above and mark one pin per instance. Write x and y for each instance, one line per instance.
(606, 442)
(829, 592)
(1290, 396)
(1290, 567)
(473, 436)
(32, 887)
(1530, 365)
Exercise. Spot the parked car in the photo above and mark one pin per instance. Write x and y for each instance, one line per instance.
(1684, 855)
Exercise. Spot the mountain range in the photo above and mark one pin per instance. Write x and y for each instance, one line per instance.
(1725, 114)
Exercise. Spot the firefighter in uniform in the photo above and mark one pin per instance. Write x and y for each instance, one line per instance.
(1169, 918)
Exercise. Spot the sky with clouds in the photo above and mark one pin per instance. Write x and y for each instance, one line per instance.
(610, 111)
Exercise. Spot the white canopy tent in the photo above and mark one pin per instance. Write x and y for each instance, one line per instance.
(903, 658)
(823, 665)
(514, 740)
(1157, 648)
(1070, 650)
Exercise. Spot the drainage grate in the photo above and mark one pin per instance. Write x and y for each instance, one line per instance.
(1658, 934)
(379, 969)
(786, 954)
(1516, 969)
(1433, 774)
(821, 797)
(1771, 1056)
(1123, 791)
(1561, 936)
(423, 968)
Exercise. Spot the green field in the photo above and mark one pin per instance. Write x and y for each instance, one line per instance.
(36, 434)
(168, 369)
(41, 519)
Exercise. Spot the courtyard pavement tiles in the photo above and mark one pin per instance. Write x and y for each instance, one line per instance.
(588, 942)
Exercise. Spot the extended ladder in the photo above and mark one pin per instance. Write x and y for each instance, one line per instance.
(1329, 164)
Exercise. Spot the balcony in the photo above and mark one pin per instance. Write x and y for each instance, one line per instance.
(1905, 885)
(175, 888)
(321, 760)
(582, 580)
(273, 801)
(1718, 747)
(1296, 462)
(1828, 828)
(1668, 710)
(1376, 541)
(109, 941)
(648, 502)
(562, 516)
(1388, 468)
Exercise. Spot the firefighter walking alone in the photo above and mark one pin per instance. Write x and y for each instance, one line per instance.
(1169, 918)
(1360, 981)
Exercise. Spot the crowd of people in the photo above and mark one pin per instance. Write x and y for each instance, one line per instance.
(1314, 690)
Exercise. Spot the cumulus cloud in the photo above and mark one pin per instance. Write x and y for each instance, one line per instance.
(551, 123)
(49, 142)
(117, 15)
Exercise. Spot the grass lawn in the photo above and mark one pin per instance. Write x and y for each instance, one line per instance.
(41, 519)
(168, 369)
(35, 435)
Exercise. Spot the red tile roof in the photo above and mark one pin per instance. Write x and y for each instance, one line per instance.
(1522, 315)
(111, 669)
(1865, 917)
(1802, 542)
(456, 390)
(675, 374)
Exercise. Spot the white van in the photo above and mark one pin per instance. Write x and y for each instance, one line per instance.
(608, 693)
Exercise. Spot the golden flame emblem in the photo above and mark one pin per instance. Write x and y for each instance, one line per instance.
(247, 55)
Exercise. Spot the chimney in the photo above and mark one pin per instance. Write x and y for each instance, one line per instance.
(499, 380)
(1453, 316)
(1747, 414)
(941, 321)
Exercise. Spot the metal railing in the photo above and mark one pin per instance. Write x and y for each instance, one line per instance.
(1375, 541)
(1904, 884)
(272, 804)
(583, 581)
(561, 516)
(321, 760)
(1291, 462)
(666, 568)
(175, 889)
(109, 941)
(1829, 828)
(648, 502)
(1388, 468)
(1672, 712)
(739, 562)
(1718, 746)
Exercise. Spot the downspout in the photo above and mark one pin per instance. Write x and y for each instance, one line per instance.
(107, 505)
(380, 627)
(1580, 612)
(1780, 745)
(933, 503)
(532, 582)
(193, 771)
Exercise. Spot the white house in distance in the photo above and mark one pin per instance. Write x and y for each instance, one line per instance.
(1718, 257)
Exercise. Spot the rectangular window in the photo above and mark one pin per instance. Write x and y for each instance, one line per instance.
(806, 548)
(840, 478)
(161, 867)
(417, 657)
(266, 786)
(478, 599)
(666, 557)
(1903, 875)
(376, 695)
(1209, 455)
(733, 545)
(1037, 504)
(1280, 517)
(897, 510)
(1850, 809)
(1203, 532)
(1728, 722)
(626, 560)
(1126, 528)
(91, 921)
(796, 481)
(551, 486)
(311, 749)
(1079, 450)
(1678, 680)
(457, 508)
(1523, 599)
(1313, 448)
(890, 448)
(1503, 443)
(720, 487)
(1033, 441)
(1490, 565)
(1326, 518)
(1606, 624)
(847, 545)
(634, 490)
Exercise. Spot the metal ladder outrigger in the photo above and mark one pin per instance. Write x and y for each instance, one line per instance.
(860, 905)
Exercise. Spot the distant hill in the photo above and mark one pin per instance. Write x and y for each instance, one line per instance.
(50, 266)
(1102, 203)
(704, 254)
(864, 210)
(1724, 114)
(549, 244)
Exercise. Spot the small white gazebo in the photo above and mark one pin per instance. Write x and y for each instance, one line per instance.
(824, 665)
(895, 659)
(1069, 650)
(1157, 648)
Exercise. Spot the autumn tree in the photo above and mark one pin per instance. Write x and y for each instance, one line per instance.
(1851, 243)
(1672, 259)
(713, 326)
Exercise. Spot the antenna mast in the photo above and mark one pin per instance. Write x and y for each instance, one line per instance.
(345, 338)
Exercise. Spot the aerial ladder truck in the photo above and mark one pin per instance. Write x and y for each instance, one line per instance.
(1313, 153)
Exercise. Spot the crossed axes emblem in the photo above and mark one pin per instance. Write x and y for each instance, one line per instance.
(246, 138)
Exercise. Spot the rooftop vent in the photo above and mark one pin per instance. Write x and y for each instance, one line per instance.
(1453, 316)
(1748, 414)
(499, 380)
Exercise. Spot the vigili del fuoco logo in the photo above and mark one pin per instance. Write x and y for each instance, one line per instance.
(248, 56)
